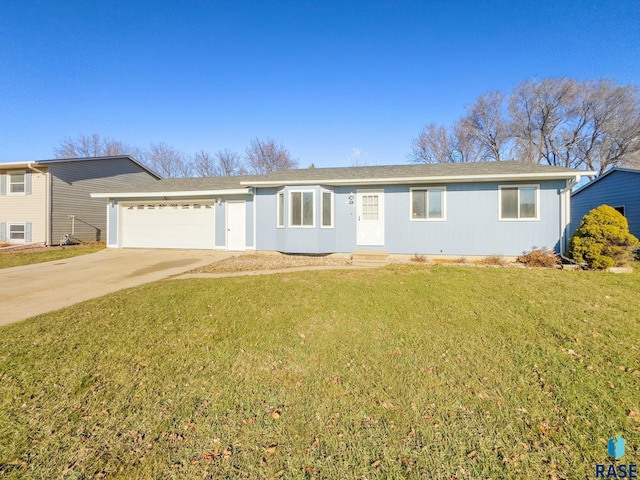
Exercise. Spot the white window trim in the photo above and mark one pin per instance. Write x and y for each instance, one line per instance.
(280, 222)
(313, 207)
(532, 219)
(323, 191)
(24, 229)
(24, 183)
(427, 219)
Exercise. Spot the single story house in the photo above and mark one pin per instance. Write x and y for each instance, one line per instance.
(464, 209)
(41, 201)
(619, 188)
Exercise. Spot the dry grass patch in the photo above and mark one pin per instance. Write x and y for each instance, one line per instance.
(243, 263)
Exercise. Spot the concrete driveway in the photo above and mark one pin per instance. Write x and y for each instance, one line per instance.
(34, 289)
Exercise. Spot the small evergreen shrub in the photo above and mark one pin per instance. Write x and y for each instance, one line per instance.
(603, 240)
(540, 257)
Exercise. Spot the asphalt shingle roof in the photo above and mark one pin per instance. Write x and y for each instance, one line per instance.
(426, 171)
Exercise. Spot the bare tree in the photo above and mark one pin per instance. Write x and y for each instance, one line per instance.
(592, 125)
(167, 161)
(357, 159)
(612, 133)
(437, 144)
(223, 163)
(92, 146)
(266, 156)
(557, 121)
(544, 121)
(432, 145)
(229, 163)
(485, 127)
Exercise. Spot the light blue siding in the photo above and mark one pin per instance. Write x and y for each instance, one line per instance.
(221, 220)
(472, 225)
(617, 189)
(112, 215)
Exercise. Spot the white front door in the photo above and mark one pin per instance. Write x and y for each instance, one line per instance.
(370, 230)
(236, 225)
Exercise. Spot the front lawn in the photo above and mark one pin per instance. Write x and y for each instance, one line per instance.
(47, 254)
(401, 372)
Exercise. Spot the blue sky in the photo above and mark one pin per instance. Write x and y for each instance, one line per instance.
(321, 77)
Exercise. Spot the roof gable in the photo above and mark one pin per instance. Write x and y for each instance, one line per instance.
(54, 161)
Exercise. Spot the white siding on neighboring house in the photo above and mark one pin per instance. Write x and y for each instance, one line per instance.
(24, 208)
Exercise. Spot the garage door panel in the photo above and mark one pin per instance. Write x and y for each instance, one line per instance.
(166, 226)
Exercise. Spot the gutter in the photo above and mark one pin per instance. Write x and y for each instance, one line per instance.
(172, 194)
(564, 212)
(411, 180)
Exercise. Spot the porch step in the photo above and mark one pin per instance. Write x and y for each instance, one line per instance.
(369, 258)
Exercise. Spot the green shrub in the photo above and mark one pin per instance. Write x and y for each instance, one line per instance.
(603, 240)
(540, 257)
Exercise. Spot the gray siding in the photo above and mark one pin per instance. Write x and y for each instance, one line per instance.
(472, 225)
(71, 186)
(618, 188)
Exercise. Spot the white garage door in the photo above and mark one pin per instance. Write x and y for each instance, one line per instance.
(168, 225)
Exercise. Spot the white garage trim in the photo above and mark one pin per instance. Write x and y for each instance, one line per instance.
(168, 224)
(173, 195)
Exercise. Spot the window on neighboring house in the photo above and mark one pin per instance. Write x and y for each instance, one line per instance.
(17, 183)
(427, 203)
(327, 209)
(302, 205)
(280, 209)
(620, 210)
(17, 232)
(519, 203)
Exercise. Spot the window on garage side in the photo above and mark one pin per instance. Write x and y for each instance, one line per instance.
(302, 206)
(427, 203)
(327, 209)
(519, 202)
(280, 209)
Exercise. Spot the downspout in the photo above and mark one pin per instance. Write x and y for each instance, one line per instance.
(47, 197)
(563, 214)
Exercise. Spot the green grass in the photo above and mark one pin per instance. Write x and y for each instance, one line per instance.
(19, 258)
(403, 372)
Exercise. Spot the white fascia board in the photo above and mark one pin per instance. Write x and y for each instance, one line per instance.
(16, 164)
(188, 193)
(409, 180)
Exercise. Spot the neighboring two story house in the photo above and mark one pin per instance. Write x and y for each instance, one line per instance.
(42, 201)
